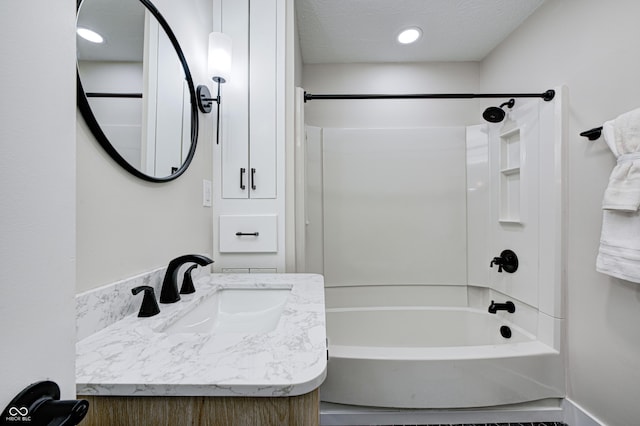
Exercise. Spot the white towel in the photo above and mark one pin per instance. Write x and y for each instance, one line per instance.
(623, 137)
(619, 252)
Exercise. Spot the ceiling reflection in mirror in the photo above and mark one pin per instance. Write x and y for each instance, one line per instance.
(135, 89)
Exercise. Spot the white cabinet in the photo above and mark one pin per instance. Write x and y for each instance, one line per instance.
(249, 100)
(249, 162)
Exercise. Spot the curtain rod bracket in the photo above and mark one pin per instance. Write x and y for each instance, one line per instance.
(549, 95)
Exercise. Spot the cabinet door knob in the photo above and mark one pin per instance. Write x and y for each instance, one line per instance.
(242, 172)
(253, 178)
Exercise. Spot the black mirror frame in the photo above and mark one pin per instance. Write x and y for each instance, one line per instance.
(94, 126)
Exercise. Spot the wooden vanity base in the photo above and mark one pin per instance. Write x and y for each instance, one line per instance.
(300, 410)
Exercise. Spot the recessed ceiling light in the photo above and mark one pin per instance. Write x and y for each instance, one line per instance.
(90, 35)
(409, 35)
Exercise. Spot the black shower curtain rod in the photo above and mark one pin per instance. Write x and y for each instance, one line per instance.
(547, 96)
(112, 95)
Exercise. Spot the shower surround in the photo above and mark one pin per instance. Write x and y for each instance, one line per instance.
(404, 222)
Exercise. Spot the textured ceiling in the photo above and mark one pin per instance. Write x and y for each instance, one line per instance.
(120, 22)
(350, 31)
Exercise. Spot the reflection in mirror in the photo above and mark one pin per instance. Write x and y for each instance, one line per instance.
(136, 88)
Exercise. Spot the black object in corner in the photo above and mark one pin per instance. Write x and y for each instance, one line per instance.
(40, 404)
(149, 305)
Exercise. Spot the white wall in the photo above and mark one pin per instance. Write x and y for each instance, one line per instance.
(37, 185)
(120, 118)
(111, 77)
(592, 47)
(393, 206)
(126, 226)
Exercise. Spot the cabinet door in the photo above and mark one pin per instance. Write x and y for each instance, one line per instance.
(234, 114)
(249, 102)
(262, 98)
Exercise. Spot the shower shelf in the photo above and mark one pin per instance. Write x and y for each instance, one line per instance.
(510, 175)
(510, 222)
(507, 133)
(510, 171)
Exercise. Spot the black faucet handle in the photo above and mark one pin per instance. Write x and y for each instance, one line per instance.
(507, 261)
(497, 261)
(187, 281)
(149, 305)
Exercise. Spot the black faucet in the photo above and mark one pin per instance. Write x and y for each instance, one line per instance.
(508, 306)
(149, 305)
(169, 292)
(507, 261)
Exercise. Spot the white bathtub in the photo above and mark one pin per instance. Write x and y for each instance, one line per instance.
(413, 357)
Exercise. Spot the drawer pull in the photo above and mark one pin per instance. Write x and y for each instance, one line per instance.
(242, 172)
(247, 234)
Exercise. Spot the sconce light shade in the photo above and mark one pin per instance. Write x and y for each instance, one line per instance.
(219, 56)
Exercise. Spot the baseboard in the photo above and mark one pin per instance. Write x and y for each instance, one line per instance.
(575, 415)
(548, 410)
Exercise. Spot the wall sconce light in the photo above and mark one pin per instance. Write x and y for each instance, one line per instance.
(219, 69)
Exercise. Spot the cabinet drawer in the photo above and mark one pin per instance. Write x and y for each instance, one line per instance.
(248, 234)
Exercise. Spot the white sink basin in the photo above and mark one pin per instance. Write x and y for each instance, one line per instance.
(235, 310)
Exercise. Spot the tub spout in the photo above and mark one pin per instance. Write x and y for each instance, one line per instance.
(508, 306)
(169, 292)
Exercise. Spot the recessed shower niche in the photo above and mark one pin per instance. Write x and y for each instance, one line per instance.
(510, 178)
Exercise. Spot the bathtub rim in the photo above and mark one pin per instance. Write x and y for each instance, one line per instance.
(462, 352)
(444, 353)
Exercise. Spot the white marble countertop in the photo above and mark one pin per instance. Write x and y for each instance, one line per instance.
(131, 357)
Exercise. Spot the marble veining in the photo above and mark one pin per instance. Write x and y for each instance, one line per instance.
(134, 356)
(103, 306)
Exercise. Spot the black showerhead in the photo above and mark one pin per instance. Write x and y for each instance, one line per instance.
(493, 114)
(496, 114)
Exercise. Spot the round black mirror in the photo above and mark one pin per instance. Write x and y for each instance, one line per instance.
(135, 90)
